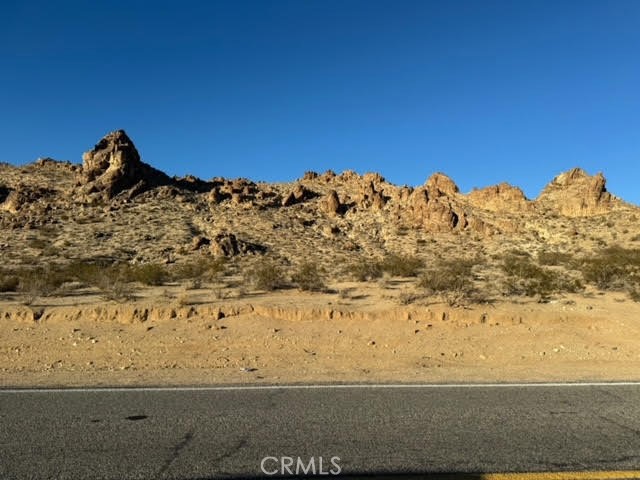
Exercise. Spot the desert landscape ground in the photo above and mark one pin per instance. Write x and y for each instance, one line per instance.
(114, 273)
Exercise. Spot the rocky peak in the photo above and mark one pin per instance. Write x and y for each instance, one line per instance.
(575, 193)
(114, 165)
(500, 198)
(439, 184)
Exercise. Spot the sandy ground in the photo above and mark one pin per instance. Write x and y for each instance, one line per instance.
(167, 338)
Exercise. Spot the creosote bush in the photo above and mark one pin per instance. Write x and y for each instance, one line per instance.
(8, 282)
(524, 277)
(402, 265)
(309, 277)
(266, 275)
(614, 268)
(555, 258)
(453, 280)
(394, 264)
(365, 269)
(208, 269)
(151, 274)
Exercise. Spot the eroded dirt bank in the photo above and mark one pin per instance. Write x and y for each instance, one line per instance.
(289, 340)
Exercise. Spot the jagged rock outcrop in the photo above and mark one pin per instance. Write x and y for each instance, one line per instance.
(439, 184)
(114, 166)
(228, 245)
(331, 203)
(434, 213)
(500, 198)
(370, 197)
(48, 162)
(298, 195)
(576, 193)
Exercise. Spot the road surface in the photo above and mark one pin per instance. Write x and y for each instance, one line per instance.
(227, 432)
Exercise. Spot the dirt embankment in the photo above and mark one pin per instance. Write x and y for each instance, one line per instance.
(296, 338)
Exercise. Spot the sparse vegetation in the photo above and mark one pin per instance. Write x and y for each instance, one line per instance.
(266, 275)
(546, 257)
(453, 280)
(402, 265)
(207, 269)
(309, 277)
(614, 268)
(8, 282)
(408, 297)
(150, 274)
(365, 269)
(524, 277)
(394, 264)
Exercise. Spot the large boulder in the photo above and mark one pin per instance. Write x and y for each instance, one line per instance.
(331, 203)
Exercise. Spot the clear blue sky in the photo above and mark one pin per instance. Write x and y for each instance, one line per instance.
(485, 91)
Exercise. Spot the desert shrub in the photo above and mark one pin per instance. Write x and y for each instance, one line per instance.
(151, 274)
(266, 275)
(634, 293)
(453, 280)
(116, 289)
(309, 277)
(39, 282)
(402, 265)
(88, 272)
(554, 258)
(527, 278)
(635, 238)
(612, 268)
(112, 279)
(365, 269)
(9, 282)
(208, 269)
(408, 297)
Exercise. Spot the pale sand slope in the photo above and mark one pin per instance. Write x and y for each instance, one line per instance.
(290, 337)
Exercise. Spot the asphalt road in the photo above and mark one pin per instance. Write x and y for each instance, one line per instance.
(193, 434)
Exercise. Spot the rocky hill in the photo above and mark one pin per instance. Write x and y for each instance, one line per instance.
(116, 207)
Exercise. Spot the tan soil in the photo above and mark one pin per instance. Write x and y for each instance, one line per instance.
(290, 337)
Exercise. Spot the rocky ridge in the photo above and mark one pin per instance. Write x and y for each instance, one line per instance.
(124, 208)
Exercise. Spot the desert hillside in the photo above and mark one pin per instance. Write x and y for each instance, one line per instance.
(115, 210)
(116, 247)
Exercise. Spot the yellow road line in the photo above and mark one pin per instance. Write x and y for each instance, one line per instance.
(607, 475)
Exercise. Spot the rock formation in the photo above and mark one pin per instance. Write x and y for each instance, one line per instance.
(575, 194)
(227, 245)
(439, 184)
(500, 198)
(143, 215)
(435, 213)
(114, 166)
(331, 203)
(298, 195)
